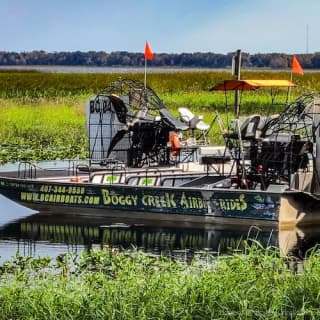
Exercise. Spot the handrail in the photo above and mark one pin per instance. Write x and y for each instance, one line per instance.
(29, 170)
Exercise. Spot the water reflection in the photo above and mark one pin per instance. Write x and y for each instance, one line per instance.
(52, 234)
(42, 234)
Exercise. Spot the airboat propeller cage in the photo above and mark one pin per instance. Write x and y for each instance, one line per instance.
(280, 147)
(127, 122)
(106, 115)
(315, 186)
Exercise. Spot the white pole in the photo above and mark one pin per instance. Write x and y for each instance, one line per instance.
(289, 88)
(145, 72)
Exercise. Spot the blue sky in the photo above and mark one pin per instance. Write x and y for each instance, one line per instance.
(169, 25)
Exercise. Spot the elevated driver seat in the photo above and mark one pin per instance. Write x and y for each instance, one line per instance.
(194, 122)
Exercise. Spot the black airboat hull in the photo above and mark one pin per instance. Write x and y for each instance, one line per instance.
(227, 206)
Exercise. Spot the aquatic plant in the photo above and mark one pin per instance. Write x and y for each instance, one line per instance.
(110, 284)
(41, 131)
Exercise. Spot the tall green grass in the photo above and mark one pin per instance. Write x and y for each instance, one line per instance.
(133, 285)
(36, 85)
(208, 102)
(50, 129)
(42, 131)
(43, 113)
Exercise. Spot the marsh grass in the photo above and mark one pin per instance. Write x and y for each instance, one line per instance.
(50, 129)
(132, 285)
(41, 131)
(43, 117)
(37, 85)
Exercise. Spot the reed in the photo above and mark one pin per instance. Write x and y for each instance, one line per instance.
(42, 131)
(36, 85)
(43, 113)
(132, 285)
(50, 129)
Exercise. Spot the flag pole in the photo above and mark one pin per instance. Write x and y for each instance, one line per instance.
(148, 55)
(289, 88)
(295, 68)
(145, 72)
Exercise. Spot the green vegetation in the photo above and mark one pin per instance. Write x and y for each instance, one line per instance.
(132, 285)
(35, 85)
(43, 113)
(45, 131)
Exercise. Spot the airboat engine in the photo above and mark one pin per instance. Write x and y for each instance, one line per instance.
(106, 117)
(128, 124)
(287, 148)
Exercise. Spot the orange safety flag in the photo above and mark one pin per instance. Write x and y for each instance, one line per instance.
(148, 54)
(296, 67)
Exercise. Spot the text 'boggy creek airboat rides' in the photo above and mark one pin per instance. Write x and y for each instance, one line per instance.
(268, 171)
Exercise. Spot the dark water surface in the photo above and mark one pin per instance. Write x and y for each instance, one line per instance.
(92, 69)
(43, 234)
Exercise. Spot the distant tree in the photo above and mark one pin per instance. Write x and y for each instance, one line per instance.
(316, 60)
(136, 59)
(278, 61)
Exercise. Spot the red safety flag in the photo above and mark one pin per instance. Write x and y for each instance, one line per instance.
(148, 54)
(296, 67)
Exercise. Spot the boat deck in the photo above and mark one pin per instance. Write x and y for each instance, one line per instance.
(191, 175)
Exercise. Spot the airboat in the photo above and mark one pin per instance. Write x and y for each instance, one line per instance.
(266, 173)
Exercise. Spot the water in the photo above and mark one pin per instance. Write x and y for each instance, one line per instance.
(43, 234)
(87, 69)
(92, 69)
(46, 164)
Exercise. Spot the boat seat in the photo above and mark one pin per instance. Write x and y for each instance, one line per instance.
(171, 121)
(111, 178)
(193, 121)
(249, 129)
(147, 181)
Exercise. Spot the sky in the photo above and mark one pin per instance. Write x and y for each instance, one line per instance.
(170, 26)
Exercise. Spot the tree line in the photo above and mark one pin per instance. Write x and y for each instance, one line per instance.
(131, 59)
